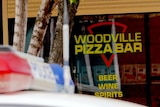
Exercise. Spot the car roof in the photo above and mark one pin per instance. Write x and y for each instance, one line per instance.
(41, 98)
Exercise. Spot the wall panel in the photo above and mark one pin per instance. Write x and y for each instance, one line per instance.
(90, 7)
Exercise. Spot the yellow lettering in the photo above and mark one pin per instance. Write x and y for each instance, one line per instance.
(137, 46)
(100, 78)
(103, 86)
(115, 77)
(78, 48)
(80, 39)
(138, 36)
(113, 94)
(107, 48)
(109, 94)
(128, 48)
(98, 47)
(107, 77)
(107, 38)
(120, 94)
(96, 94)
(90, 38)
(98, 38)
(115, 38)
(123, 37)
(84, 49)
(119, 47)
(89, 48)
(130, 38)
(102, 94)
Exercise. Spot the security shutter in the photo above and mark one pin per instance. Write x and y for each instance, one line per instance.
(91, 7)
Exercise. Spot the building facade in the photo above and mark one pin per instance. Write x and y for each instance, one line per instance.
(114, 47)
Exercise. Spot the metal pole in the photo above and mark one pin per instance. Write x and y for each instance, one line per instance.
(66, 67)
(115, 61)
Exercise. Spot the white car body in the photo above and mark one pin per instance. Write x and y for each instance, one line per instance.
(48, 99)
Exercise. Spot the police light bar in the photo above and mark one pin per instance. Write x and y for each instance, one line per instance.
(21, 54)
(19, 73)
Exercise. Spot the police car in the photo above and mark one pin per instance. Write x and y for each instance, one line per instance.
(27, 81)
(47, 99)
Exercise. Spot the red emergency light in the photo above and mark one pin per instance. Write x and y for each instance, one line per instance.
(14, 73)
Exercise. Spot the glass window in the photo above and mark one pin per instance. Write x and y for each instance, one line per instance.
(109, 56)
(154, 20)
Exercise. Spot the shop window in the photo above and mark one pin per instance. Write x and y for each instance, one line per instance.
(132, 70)
(112, 52)
(154, 57)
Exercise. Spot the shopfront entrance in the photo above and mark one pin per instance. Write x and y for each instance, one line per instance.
(117, 56)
